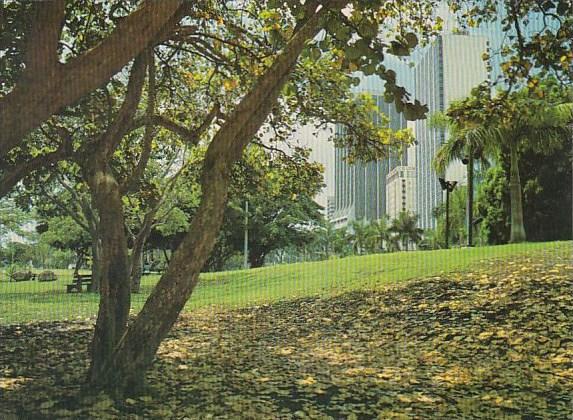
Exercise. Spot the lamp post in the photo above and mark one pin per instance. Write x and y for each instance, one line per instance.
(468, 160)
(246, 239)
(447, 186)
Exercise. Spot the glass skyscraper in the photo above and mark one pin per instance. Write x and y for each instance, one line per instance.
(360, 188)
(447, 71)
(444, 71)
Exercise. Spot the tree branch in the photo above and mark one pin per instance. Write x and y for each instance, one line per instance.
(190, 136)
(43, 95)
(11, 175)
(109, 140)
(42, 39)
(131, 182)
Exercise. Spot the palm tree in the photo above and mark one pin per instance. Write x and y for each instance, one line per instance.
(393, 242)
(529, 124)
(379, 233)
(466, 143)
(359, 236)
(406, 229)
(340, 245)
(326, 237)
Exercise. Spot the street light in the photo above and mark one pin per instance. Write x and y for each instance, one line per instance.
(468, 160)
(246, 238)
(447, 186)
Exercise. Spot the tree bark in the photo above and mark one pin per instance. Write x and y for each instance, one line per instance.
(470, 199)
(256, 259)
(124, 371)
(517, 233)
(114, 272)
(136, 267)
(48, 86)
(96, 263)
(79, 261)
(136, 270)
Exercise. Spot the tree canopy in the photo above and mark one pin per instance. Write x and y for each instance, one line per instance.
(97, 90)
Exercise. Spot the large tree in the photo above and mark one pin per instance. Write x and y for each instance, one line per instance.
(406, 229)
(45, 80)
(255, 51)
(124, 366)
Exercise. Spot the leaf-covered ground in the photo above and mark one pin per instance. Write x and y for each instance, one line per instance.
(493, 343)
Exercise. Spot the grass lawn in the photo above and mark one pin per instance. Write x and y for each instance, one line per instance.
(490, 340)
(34, 301)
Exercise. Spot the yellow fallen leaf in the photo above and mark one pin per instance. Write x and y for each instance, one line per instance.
(485, 335)
(309, 380)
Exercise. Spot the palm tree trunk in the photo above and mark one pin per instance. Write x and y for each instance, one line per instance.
(470, 200)
(517, 233)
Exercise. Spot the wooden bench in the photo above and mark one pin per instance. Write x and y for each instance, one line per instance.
(79, 281)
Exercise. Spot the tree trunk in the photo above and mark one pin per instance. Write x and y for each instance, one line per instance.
(114, 273)
(48, 86)
(167, 259)
(79, 261)
(136, 269)
(517, 233)
(470, 200)
(256, 259)
(96, 263)
(124, 371)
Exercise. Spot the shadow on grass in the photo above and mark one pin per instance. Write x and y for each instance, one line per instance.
(490, 343)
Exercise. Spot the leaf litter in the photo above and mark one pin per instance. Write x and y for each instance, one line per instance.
(495, 342)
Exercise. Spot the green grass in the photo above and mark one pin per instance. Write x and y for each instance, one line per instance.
(33, 301)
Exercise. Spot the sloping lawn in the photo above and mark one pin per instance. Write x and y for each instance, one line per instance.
(492, 342)
(34, 301)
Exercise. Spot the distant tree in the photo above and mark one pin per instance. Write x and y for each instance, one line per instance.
(380, 234)
(359, 236)
(64, 233)
(406, 229)
(493, 206)
(325, 238)
(535, 118)
(430, 240)
(279, 190)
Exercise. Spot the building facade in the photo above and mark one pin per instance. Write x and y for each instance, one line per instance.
(448, 70)
(360, 188)
(400, 191)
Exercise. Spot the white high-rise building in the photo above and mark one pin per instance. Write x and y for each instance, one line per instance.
(447, 71)
(318, 140)
(360, 188)
(400, 191)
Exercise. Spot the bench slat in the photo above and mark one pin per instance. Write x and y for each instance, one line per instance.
(79, 281)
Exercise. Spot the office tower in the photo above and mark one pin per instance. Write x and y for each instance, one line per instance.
(318, 140)
(330, 203)
(401, 191)
(447, 71)
(360, 188)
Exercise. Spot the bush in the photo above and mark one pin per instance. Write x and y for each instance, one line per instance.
(21, 275)
(47, 276)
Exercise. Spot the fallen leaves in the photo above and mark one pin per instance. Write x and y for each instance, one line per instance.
(496, 342)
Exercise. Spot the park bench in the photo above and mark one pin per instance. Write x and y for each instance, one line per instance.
(78, 282)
